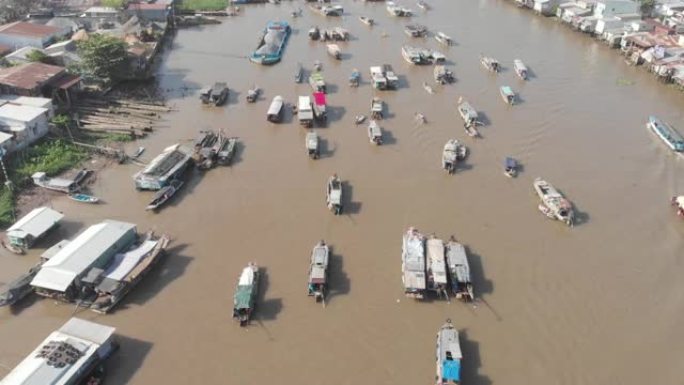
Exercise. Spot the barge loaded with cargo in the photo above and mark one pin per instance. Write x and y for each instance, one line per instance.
(272, 43)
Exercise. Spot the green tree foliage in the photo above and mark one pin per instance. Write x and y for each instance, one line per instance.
(113, 3)
(647, 7)
(103, 57)
(39, 56)
(14, 9)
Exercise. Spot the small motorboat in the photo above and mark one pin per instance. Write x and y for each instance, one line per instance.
(333, 194)
(358, 119)
(274, 113)
(13, 248)
(138, 152)
(299, 74)
(19, 288)
(83, 198)
(468, 113)
(226, 152)
(355, 78)
(553, 203)
(448, 355)
(376, 108)
(453, 153)
(443, 75)
(490, 64)
(375, 133)
(162, 196)
(423, 5)
(510, 167)
(253, 94)
(415, 30)
(218, 94)
(244, 299)
(507, 95)
(334, 51)
(428, 88)
(367, 20)
(520, 69)
(444, 38)
(420, 118)
(314, 33)
(311, 143)
(318, 272)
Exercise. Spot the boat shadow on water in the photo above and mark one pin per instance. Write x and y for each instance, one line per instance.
(388, 138)
(327, 151)
(349, 207)
(339, 280)
(266, 309)
(336, 113)
(122, 365)
(171, 266)
(481, 285)
(233, 97)
(22, 304)
(471, 363)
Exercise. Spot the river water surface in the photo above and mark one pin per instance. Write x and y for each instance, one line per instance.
(600, 303)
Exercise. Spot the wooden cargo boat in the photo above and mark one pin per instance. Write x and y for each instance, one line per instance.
(318, 272)
(244, 299)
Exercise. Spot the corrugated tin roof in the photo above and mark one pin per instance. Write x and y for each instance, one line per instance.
(59, 271)
(28, 29)
(29, 76)
(35, 223)
(146, 7)
(84, 336)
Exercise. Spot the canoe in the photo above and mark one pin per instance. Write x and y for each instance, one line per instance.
(84, 198)
(162, 196)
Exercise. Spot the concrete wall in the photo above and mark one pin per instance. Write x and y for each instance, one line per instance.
(615, 7)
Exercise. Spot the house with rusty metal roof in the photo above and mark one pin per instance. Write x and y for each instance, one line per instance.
(21, 34)
(38, 79)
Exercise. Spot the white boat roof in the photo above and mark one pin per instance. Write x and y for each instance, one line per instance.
(319, 256)
(435, 252)
(413, 253)
(458, 262)
(247, 277)
(335, 196)
(680, 201)
(304, 100)
(35, 223)
(414, 279)
(125, 262)
(84, 336)
(59, 271)
(317, 273)
(448, 338)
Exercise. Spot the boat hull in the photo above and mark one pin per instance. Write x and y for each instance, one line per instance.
(666, 133)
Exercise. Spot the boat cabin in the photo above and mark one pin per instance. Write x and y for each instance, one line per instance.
(375, 133)
(319, 106)
(274, 114)
(33, 226)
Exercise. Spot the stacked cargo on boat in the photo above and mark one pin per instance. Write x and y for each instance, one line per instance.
(71, 355)
(166, 167)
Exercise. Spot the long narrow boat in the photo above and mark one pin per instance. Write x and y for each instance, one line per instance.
(490, 64)
(83, 198)
(272, 43)
(375, 132)
(311, 143)
(459, 271)
(227, 151)
(333, 194)
(127, 271)
(468, 113)
(666, 133)
(520, 69)
(367, 20)
(507, 95)
(246, 293)
(448, 355)
(553, 205)
(436, 267)
(318, 272)
(413, 264)
(299, 74)
(16, 290)
(274, 114)
(164, 195)
(510, 167)
(444, 38)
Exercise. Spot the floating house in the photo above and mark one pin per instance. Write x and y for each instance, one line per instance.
(61, 276)
(71, 355)
(165, 167)
(33, 226)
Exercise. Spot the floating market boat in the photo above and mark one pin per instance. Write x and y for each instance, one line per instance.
(358, 119)
(468, 113)
(459, 271)
(162, 196)
(436, 267)
(83, 198)
(428, 88)
(375, 133)
(18, 289)
(138, 152)
(444, 38)
(553, 205)
(334, 51)
(227, 151)
(274, 113)
(520, 69)
(510, 167)
(452, 153)
(376, 108)
(490, 64)
(317, 82)
(246, 293)
(507, 95)
(443, 75)
(415, 55)
(299, 74)
(253, 94)
(399, 11)
(333, 194)
(666, 133)
(272, 44)
(415, 30)
(314, 33)
(63, 185)
(311, 143)
(437, 57)
(318, 272)
(216, 94)
(320, 106)
(127, 270)
(367, 20)
(448, 355)
(355, 78)
(413, 264)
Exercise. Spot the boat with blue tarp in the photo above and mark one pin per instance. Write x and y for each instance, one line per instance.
(272, 44)
(667, 133)
(448, 355)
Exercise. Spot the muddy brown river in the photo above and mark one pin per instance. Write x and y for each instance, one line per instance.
(600, 303)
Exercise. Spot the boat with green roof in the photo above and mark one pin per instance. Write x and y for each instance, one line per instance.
(246, 292)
